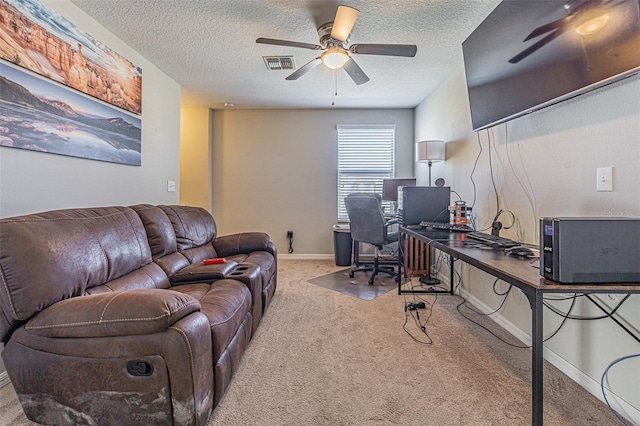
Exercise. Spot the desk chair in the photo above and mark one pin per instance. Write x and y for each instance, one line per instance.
(368, 225)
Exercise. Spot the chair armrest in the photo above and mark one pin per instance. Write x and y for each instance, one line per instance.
(124, 313)
(245, 242)
(391, 222)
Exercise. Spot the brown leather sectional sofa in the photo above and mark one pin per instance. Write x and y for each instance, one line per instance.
(111, 316)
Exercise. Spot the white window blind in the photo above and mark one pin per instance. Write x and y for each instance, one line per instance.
(365, 158)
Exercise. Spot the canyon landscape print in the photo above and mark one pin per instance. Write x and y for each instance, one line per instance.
(40, 40)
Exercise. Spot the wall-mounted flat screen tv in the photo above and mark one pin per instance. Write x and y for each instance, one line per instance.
(529, 54)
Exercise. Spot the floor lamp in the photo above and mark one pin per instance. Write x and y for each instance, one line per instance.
(430, 151)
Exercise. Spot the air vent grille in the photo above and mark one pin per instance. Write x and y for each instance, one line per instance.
(275, 63)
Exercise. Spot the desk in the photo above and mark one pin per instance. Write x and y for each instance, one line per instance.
(520, 274)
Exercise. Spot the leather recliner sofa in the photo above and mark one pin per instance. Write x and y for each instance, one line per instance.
(110, 316)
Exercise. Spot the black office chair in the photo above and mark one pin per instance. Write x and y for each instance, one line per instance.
(368, 225)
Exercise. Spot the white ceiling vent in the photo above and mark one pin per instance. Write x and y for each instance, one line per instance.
(275, 63)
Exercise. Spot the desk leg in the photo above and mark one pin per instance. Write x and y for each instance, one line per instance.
(537, 359)
(400, 260)
(451, 271)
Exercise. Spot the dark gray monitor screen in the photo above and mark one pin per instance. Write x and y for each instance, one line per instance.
(425, 203)
(390, 187)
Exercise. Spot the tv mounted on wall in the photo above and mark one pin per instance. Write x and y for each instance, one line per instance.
(529, 54)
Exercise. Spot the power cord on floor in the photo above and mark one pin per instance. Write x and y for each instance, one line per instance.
(412, 309)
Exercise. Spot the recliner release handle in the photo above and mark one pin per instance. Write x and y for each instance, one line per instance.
(139, 368)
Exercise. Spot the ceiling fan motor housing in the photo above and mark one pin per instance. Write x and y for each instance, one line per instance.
(324, 32)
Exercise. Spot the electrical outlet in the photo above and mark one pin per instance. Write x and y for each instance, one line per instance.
(289, 234)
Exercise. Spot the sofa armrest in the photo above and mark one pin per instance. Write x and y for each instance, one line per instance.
(125, 313)
(199, 272)
(245, 242)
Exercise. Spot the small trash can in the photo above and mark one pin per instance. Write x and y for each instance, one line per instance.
(342, 244)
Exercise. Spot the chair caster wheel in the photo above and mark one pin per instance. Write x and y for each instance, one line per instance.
(371, 281)
(350, 274)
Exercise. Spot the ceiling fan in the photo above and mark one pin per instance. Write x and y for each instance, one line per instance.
(333, 39)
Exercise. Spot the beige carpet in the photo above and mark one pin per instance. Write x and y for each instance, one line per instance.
(321, 357)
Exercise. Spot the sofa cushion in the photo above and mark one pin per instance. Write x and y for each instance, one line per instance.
(122, 313)
(225, 303)
(52, 256)
(193, 226)
(245, 242)
(149, 276)
(160, 234)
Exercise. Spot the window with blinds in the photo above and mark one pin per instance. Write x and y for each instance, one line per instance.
(365, 158)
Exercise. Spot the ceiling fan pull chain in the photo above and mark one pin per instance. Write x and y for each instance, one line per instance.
(335, 85)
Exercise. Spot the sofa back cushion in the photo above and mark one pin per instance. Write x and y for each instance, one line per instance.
(195, 229)
(162, 239)
(51, 256)
(160, 234)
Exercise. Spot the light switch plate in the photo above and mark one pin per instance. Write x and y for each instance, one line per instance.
(604, 179)
(171, 186)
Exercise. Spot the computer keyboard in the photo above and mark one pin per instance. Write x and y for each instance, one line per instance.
(492, 240)
(446, 226)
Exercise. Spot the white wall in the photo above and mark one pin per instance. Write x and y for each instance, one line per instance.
(276, 170)
(544, 164)
(32, 181)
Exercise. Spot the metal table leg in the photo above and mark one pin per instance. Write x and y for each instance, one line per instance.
(537, 358)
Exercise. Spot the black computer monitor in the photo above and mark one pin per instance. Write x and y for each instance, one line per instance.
(425, 203)
(390, 187)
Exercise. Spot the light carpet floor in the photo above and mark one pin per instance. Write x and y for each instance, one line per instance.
(321, 357)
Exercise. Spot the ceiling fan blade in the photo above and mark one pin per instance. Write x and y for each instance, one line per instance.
(305, 69)
(551, 26)
(535, 46)
(288, 43)
(355, 72)
(343, 23)
(408, 50)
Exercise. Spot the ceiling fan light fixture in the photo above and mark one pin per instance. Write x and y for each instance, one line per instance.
(592, 25)
(335, 58)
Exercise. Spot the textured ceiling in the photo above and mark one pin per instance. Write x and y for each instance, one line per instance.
(208, 47)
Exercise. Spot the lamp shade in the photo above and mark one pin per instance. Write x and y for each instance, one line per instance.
(431, 151)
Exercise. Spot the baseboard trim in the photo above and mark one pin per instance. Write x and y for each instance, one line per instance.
(592, 386)
(292, 256)
(4, 379)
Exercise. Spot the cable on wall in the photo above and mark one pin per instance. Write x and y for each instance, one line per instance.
(502, 303)
(528, 192)
(475, 165)
(604, 394)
